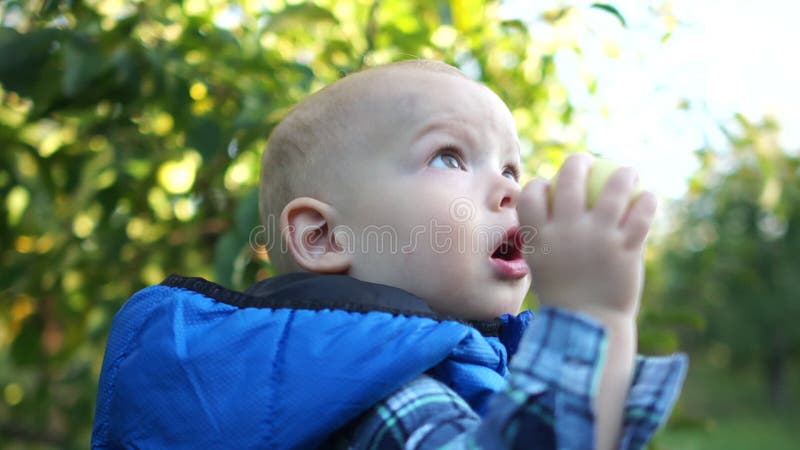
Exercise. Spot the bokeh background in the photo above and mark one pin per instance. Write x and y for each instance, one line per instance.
(131, 132)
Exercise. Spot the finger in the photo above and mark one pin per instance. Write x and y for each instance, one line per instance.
(615, 196)
(532, 207)
(570, 196)
(533, 212)
(636, 223)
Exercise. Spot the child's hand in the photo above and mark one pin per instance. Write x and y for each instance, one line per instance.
(586, 260)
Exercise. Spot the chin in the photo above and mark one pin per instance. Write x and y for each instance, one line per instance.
(510, 304)
(499, 309)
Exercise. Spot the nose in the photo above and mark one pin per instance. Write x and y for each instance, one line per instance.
(504, 194)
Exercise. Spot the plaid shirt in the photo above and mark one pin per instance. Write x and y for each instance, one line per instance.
(546, 405)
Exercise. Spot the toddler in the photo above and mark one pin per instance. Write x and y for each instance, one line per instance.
(404, 245)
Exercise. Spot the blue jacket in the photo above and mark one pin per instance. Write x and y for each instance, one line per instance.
(190, 364)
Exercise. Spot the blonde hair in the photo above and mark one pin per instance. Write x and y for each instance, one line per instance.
(296, 161)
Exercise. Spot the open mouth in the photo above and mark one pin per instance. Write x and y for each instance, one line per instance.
(509, 249)
(507, 258)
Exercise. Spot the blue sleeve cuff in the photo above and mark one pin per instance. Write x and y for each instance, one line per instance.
(564, 352)
(656, 386)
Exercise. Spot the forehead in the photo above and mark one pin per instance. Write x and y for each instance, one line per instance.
(417, 96)
(375, 118)
(384, 112)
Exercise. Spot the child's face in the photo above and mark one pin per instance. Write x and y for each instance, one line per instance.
(432, 195)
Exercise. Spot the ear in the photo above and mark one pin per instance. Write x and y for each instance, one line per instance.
(306, 226)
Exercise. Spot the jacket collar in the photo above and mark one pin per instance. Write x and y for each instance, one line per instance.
(305, 290)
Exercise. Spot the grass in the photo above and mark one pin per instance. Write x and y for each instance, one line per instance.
(724, 409)
(740, 433)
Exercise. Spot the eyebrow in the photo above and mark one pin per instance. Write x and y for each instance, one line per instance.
(464, 133)
(447, 125)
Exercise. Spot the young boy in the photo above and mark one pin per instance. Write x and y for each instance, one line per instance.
(406, 245)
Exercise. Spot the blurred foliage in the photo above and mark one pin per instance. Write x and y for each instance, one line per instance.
(731, 259)
(726, 409)
(131, 136)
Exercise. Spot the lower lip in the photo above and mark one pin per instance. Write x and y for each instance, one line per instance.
(515, 268)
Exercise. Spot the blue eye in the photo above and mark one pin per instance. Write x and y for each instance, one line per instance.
(447, 159)
(511, 172)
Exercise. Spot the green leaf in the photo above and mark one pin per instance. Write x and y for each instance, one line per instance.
(298, 16)
(515, 24)
(26, 348)
(467, 14)
(125, 75)
(83, 64)
(24, 56)
(48, 8)
(205, 135)
(246, 216)
(612, 10)
(554, 15)
(226, 252)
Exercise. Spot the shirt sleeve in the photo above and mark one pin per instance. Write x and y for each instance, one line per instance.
(546, 405)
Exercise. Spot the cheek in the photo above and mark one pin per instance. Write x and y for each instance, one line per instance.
(434, 224)
(431, 263)
(439, 267)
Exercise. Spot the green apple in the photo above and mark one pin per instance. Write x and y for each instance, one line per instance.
(599, 173)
